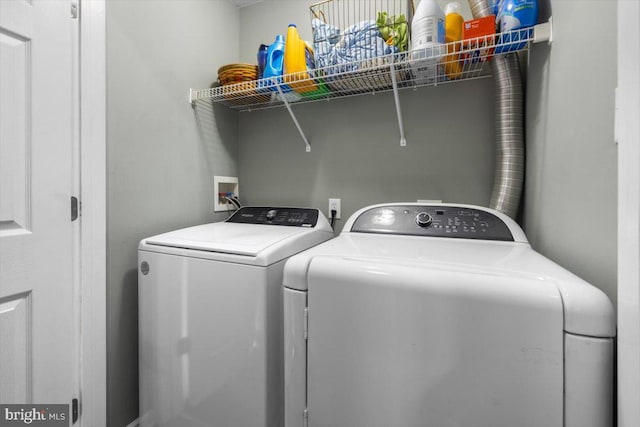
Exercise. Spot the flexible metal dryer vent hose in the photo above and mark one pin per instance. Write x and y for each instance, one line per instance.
(509, 169)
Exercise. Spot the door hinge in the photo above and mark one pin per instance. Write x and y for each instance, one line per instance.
(306, 323)
(74, 9)
(74, 411)
(75, 208)
(305, 417)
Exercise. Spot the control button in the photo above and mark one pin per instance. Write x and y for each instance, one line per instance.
(423, 219)
(271, 214)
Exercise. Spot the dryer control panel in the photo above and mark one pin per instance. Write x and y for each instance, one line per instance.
(269, 215)
(433, 220)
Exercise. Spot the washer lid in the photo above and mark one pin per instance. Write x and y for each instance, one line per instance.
(238, 239)
(264, 239)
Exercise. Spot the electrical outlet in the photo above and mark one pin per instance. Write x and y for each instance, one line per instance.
(334, 204)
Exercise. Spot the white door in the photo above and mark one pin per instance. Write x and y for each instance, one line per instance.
(628, 132)
(39, 336)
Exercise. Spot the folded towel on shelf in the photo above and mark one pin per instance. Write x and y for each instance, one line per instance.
(325, 37)
(344, 51)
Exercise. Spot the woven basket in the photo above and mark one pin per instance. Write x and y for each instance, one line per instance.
(238, 85)
(236, 73)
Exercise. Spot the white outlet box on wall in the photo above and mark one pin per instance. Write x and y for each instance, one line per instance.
(223, 186)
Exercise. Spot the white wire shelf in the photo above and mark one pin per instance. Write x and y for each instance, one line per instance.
(448, 63)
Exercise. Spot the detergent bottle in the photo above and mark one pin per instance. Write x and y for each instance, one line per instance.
(494, 6)
(322, 88)
(273, 67)
(516, 14)
(453, 22)
(262, 59)
(298, 60)
(427, 39)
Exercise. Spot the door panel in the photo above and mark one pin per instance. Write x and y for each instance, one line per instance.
(15, 144)
(410, 346)
(39, 356)
(15, 352)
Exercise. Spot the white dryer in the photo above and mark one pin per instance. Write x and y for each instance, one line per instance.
(444, 316)
(210, 318)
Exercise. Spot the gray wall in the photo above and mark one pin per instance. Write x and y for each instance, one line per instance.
(161, 160)
(570, 211)
(355, 152)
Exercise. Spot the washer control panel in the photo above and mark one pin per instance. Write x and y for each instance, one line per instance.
(435, 221)
(268, 215)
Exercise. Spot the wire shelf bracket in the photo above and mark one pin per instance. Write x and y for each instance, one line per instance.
(396, 98)
(295, 120)
(543, 32)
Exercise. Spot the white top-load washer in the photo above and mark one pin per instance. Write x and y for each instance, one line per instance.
(210, 318)
(442, 315)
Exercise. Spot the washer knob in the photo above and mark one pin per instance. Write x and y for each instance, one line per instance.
(423, 219)
(271, 214)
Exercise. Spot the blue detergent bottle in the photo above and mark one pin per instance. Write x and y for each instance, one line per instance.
(262, 59)
(516, 15)
(273, 68)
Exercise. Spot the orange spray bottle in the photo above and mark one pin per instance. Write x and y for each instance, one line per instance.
(453, 22)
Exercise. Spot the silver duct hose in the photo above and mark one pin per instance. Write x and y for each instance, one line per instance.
(509, 172)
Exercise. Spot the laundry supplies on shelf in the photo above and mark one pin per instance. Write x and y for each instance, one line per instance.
(453, 23)
(359, 50)
(515, 15)
(428, 38)
(274, 68)
(355, 49)
(299, 65)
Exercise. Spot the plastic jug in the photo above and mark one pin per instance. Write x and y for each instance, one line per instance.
(427, 28)
(298, 60)
(494, 6)
(273, 68)
(322, 88)
(453, 22)
(427, 39)
(515, 14)
(262, 59)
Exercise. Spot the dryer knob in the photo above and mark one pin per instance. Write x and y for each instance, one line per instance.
(271, 214)
(423, 219)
